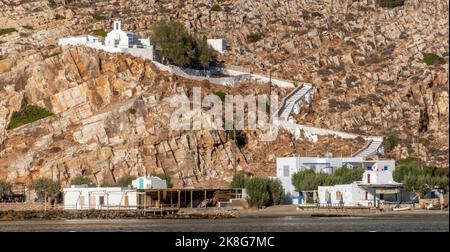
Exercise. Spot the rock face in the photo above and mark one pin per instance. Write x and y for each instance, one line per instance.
(111, 111)
(112, 115)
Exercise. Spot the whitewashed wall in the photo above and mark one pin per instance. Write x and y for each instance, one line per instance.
(114, 198)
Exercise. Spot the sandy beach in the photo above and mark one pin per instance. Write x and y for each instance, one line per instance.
(292, 210)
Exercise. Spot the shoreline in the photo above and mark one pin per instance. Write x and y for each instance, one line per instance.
(292, 211)
(210, 213)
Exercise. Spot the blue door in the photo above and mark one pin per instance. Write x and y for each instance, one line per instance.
(141, 183)
(300, 199)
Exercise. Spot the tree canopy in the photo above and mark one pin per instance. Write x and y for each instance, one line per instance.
(80, 180)
(309, 180)
(417, 179)
(125, 181)
(45, 186)
(5, 188)
(176, 45)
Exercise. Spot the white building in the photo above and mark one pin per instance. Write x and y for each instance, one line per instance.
(377, 186)
(288, 166)
(219, 45)
(84, 197)
(149, 182)
(116, 41)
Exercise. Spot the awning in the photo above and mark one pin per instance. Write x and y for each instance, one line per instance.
(387, 191)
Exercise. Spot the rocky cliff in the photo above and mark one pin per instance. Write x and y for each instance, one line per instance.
(111, 119)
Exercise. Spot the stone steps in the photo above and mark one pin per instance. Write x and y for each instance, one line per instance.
(293, 98)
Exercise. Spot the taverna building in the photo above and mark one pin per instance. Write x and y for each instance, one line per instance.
(377, 186)
(91, 197)
(84, 197)
(116, 41)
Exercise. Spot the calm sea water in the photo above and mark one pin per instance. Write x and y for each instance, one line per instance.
(272, 224)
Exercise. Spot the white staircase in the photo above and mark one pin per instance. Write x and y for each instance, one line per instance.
(373, 147)
(291, 99)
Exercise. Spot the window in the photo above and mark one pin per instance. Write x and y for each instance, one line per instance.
(369, 168)
(102, 200)
(386, 167)
(286, 170)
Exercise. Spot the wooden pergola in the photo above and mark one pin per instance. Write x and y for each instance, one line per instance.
(175, 198)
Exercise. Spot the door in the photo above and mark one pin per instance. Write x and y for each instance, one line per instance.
(141, 183)
(91, 201)
(126, 200)
(81, 202)
(368, 178)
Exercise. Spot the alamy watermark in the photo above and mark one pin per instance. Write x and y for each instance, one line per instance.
(213, 113)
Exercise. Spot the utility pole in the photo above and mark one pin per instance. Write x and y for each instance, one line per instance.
(418, 156)
(270, 88)
(234, 151)
(234, 148)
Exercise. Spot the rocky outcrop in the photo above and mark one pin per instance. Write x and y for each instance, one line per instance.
(111, 119)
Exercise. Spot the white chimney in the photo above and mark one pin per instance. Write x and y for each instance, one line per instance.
(117, 24)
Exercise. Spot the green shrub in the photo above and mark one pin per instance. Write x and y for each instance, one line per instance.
(276, 192)
(7, 30)
(177, 46)
(391, 142)
(425, 141)
(390, 3)
(108, 184)
(262, 192)
(28, 114)
(125, 181)
(80, 180)
(205, 54)
(45, 186)
(432, 59)
(97, 17)
(99, 32)
(238, 180)
(254, 37)
(52, 4)
(257, 192)
(5, 188)
(216, 7)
